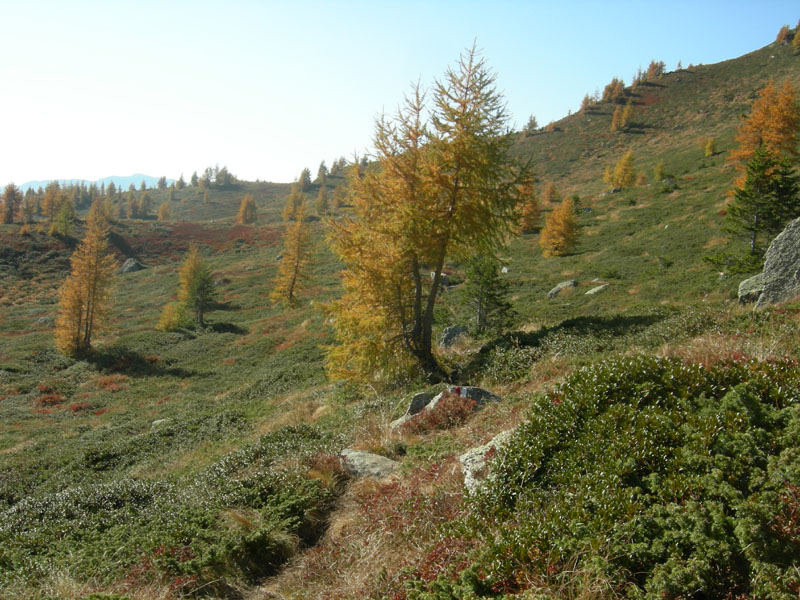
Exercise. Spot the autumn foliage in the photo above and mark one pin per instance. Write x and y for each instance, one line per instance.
(247, 210)
(293, 268)
(560, 230)
(85, 296)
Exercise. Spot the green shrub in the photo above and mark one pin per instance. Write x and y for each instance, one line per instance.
(656, 477)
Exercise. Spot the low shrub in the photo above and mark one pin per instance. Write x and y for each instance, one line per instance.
(656, 477)
(451, 410)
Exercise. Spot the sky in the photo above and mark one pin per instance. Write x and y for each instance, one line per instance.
(266, 88)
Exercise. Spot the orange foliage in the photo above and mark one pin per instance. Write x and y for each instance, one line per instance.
(560, 230)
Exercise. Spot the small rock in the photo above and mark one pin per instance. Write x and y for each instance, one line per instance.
(597, 289)
(366, 464)
(131, 266)
(158, 423)
(451, 334)
(562, 286)
(504, 270)
(474, 461)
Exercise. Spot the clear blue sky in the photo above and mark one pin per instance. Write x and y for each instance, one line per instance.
(111, 87)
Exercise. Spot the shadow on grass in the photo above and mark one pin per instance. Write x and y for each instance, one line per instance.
(226, 328)
(127, 361)
(589, 326)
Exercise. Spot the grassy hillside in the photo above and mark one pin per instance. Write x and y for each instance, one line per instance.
(203, 462)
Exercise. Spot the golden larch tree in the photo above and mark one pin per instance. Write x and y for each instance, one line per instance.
(85, 296)
(550, 194)
(247, 210)
(439, 190)
(196, 290)
(560, 231)
(773, 122)
(624, 173)
(293, 202)
(163, 212)
(530, 209)
(296, 256)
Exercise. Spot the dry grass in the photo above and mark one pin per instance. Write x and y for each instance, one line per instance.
(379, 527)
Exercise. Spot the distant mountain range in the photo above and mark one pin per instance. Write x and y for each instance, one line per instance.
(120, 181)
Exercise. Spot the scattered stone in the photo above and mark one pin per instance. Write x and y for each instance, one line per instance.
(158, 423)
(131, 266)
(562, 286)
(615, 190)
(597, 289)
(722, 276)
(451, 334)
(504, 270)
(474, 461)
(46, 321)
(366, 464)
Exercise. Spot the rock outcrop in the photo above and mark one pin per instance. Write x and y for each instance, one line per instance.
(131, 266)
(451, 334)
(780, 280)
(424, 401)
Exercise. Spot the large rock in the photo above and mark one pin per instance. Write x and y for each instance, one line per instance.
(423, 402)
(562, 286)
(131, 266)
(451, 334)
(596, 289)
(750, 289)
(474, 462)
(365, 464)
(782, 267)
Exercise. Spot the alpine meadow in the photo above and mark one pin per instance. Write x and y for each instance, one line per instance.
(476, 363)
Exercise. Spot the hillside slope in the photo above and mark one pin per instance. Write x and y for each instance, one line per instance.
(202, 462)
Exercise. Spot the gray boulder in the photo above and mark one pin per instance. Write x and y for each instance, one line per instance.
(365, 464)
(782, 267)
(750, 289)
(131, 266)
(451, 334)
(479, 395)
(419, 401)
(562, 286)
(474, 462)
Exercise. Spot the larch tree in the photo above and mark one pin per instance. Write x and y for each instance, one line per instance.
(560, 230)
(85, 296)
(296, 256)
(12, 199)
(163, 212)
(305, 180)
(530, 209)
(440, 190)
(196, 290)
(773, 122)
(322, 205)
(550, 194)
(624, 173)
(247, 210)
(293, 202)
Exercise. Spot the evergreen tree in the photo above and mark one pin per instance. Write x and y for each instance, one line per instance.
(486, 292)
(85, 296)
(51, 201)
(247, 210)
(145, 206)
(305, 180)
(194, 180)
(322, 201)
(196, 290)
(768, 199)
(560, 231)
(322, 173)
(181, 183)
(293, 268)
(62, 224)
(162, 182)
(12, 199)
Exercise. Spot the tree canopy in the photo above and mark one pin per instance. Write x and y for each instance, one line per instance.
(442, 189)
